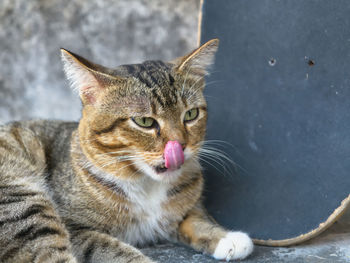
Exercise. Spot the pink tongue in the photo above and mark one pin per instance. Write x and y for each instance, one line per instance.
(173, 155)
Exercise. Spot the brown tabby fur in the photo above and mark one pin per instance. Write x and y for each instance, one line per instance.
(66, 189)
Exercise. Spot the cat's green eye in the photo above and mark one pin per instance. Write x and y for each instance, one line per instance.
(144, 122)
(191, 114)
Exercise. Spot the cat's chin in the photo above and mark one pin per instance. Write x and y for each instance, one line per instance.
(159, 173)
(164, 175)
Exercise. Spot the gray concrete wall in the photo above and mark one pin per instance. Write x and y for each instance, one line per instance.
(109, 32)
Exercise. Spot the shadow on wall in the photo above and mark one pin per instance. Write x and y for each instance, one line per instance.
(32, 84)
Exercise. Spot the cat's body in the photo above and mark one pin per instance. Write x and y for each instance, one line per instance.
(86, 192)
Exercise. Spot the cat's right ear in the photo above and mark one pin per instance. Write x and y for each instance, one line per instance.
(199, 60)
(85, 77)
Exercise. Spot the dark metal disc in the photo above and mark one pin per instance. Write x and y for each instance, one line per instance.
(280, 95)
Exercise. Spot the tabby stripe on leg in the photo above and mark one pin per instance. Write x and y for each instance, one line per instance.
(93, 245)
(10, 186)
(31, 233)
(48, 250)
(24, 232)
(32, 210)
(73, 226)
(23, 194)
(130, 255)
(16, 200)
(88, 252)
(9, 254)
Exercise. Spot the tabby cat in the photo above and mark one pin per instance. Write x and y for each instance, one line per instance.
(126, 175)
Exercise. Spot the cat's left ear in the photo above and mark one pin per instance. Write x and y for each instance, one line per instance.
(200, 59)
(88, 78)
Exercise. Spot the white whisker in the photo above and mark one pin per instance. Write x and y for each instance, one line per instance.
(207, 150)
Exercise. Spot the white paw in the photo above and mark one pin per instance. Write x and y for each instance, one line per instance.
(235, 245)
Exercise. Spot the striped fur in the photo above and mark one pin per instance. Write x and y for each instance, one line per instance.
(89, 191)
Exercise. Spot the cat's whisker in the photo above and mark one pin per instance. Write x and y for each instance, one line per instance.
(216, 153)
(225, 169)
(220, 154)
(211, 164)
(217, 142)
(88, 140)
(215, 149)
(132, 159)
(137, 171)
(132, 163)
(205, 85)
(115, 160)
(213, 82)
(130, 151)
(119, 159)
(216, 160)
(190, 90)
(209, 96)
(110, 163)
(220, 143)
(126, 157)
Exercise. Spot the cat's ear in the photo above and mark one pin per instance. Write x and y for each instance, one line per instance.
(85, 77)
(200, 59)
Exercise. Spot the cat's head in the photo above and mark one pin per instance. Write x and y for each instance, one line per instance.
(142, 119)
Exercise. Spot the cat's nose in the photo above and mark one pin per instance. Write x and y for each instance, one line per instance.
(173, 155)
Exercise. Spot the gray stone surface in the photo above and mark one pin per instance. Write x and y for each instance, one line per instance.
(333, 246)
(32, 84)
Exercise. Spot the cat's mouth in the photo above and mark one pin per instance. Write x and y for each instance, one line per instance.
(160, 168)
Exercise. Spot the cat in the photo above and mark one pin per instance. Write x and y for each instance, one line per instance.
(126, 175)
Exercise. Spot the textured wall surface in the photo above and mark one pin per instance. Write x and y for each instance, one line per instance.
(109, 32)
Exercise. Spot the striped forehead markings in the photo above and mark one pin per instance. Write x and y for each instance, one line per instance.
(155, 75)
(151, 73)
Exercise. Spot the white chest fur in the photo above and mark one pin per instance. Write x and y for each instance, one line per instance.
(146, 197)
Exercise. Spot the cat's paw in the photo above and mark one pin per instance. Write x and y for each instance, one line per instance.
(235, 245)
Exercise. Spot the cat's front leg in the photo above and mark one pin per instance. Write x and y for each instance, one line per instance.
(30, 229)
(90, 246)
(198, 231)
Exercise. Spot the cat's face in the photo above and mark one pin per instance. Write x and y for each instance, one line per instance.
(132, 112)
